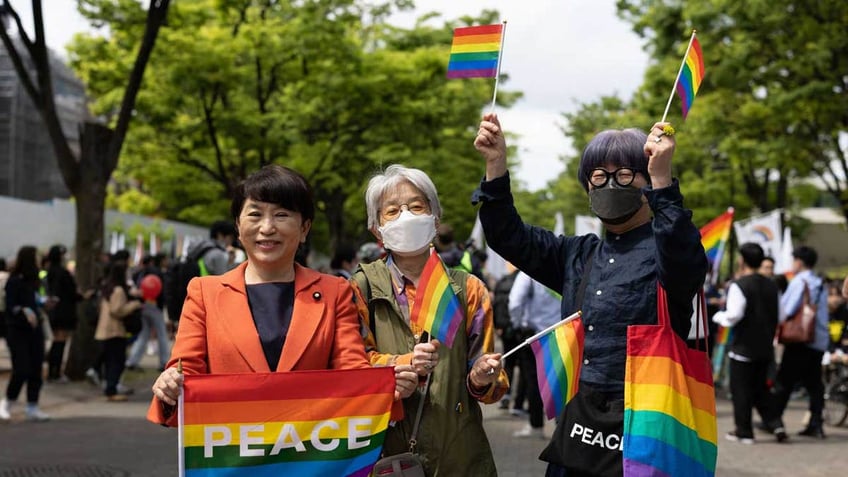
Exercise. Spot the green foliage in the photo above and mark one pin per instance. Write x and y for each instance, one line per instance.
(325, 87)
(773, 102)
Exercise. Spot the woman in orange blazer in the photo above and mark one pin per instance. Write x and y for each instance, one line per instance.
(268, 313)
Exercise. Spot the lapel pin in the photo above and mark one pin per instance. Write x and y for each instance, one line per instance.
(316, 296)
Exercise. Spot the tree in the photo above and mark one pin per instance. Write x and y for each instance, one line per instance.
(87, 172)
(325, 87)
(773, 105)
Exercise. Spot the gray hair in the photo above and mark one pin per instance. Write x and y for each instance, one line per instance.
(392, 177)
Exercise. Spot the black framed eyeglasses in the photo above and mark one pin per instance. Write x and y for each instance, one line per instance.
(622, 176)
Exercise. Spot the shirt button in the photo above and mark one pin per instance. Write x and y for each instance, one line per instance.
(612, 260)
(618, 237)
(591, 328)
(585, 361)
(598, 292)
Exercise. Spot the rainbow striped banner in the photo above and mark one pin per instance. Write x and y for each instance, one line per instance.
(305, 423)
(559, 355)
(475, 52)
(436, 308)
(669, 404)
(714, 237)
(690, 76)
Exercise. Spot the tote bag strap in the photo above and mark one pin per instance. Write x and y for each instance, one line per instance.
(700, 318)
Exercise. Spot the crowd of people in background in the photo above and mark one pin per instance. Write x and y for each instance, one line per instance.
(40, 311)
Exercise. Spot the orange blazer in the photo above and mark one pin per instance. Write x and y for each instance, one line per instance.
(217, 334)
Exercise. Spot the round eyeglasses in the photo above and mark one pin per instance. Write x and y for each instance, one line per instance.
(622, 176)
(417, 207)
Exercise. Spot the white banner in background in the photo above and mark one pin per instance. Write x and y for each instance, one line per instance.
(586, 224)
(764, 230)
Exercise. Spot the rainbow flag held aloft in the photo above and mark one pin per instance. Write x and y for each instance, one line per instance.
(475, 52)
(270, 424)
(436, 308)
(691, 75)
(559, 355)
(714, 237)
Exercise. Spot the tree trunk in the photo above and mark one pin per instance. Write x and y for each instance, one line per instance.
(90, 202)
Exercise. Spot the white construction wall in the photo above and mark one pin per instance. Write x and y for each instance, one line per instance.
(44, 224)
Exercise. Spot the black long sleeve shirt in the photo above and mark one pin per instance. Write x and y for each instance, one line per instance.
(622, 284)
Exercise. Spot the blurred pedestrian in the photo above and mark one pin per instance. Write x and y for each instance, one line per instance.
(24, 334)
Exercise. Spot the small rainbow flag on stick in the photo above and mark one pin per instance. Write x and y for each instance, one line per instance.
(689, 77)
(714, 237)
(559, 355)
(268, 424)
(475, 52)
(436, 308)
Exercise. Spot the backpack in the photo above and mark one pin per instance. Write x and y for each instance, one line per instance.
(176, 281)
(500, 302)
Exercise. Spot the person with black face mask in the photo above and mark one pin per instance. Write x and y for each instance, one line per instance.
(628, 177)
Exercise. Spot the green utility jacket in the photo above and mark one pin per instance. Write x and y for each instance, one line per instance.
(451, 439)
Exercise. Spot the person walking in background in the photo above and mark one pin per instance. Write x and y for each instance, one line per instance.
(802, 362)
(613, 280)
(24, 334)
(509, 339)
(63, 316)
(150, 282)
(753, 311)
(269, 314)
(116, 304)
(4, 277)
(532, 308)
(403, 212)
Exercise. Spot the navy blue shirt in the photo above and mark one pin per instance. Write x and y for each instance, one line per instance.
(271, 305)
(622, 284)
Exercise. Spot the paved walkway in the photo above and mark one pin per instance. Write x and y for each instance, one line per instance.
(91, 437)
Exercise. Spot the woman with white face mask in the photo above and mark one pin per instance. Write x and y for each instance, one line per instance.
(403, 213)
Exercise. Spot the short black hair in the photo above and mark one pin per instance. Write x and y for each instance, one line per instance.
(279, 185)
(616, 147)
(222, 227)
(54, 255)
(752, 254)
(807, 255)
(344, 253)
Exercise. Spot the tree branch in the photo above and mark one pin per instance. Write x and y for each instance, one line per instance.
(156, 14)
(212, 130)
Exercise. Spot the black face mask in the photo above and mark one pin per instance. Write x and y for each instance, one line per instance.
(615, 205)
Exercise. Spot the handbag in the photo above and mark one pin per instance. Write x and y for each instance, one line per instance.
(407, 464)
(587, 438)
(800, 327)
(669, 401)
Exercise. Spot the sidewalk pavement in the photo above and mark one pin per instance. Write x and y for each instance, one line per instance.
(76, 401)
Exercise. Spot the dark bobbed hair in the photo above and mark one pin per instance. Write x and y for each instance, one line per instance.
(344, 253)
(116, 276)
(807, 255)
(279, 185)
(26, 264)
(752, 254)
(617, 147)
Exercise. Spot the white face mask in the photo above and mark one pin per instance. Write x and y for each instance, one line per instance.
(409, 234)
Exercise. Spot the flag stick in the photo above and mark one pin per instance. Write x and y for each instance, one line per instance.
(677, 79)
(180, 425)
(498, 70)
(538, 335)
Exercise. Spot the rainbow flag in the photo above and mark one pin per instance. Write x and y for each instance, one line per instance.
(436, 308)
(690, 76)
(714, 237)
(475, 52)
(559, 355)
(296, 423)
